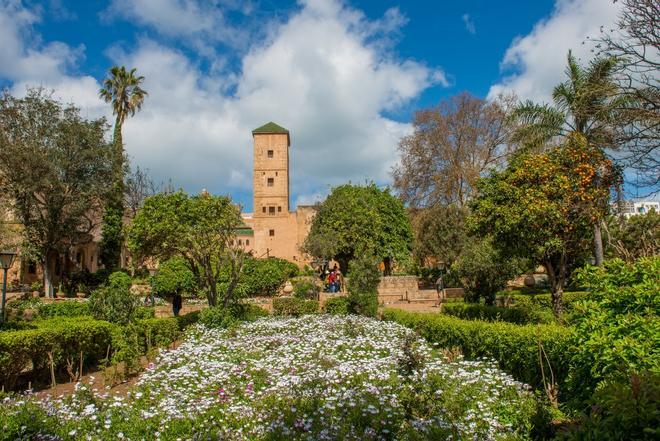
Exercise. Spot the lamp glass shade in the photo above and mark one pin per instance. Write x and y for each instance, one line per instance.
(6, 259)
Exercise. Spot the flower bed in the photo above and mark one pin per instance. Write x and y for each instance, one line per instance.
(314, 377)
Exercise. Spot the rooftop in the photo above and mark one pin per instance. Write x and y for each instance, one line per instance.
(272, 128)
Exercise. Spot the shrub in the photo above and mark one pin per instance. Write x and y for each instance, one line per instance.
(114, 302)
(544, 301)
(294, 306)
(617, 327)
(336, 306)
(483, 271)
(521, 316)
(363, 285)
(63, 338)
(260, 277)
(220, 317)
(173, 275)
(157, 332)
(144, 312)
(622, 410)
(83, 281)
(67, 308)
(515, 347)
(305, 288)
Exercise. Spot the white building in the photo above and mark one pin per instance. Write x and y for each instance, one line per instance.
(633, 208)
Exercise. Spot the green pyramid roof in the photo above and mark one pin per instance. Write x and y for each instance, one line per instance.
(271, 127)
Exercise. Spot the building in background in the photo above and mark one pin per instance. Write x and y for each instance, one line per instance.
(633, 208)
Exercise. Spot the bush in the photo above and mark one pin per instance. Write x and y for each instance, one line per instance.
(114, 302)
(67, 308)
(520, 316)
(83, 281)
(483, 271)
(514, 347)
(617, 326)
(336, 306)
(173, 275)
(363, 285)
(305, 289)
(294, 306)
(144, 312)
(260, 277)
(622, 410)
(220, 317)
(63, 338)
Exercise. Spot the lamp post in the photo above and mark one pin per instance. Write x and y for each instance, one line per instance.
(6, 260)
(153, 272)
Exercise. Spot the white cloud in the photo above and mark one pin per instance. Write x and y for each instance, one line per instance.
(538, 59)
(327, 73)
(469, 24)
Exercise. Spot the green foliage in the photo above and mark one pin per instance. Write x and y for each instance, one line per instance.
(336, 305)
(440, 232)
(294, 306)
(221, 317)
(115, 302)
(173, 275)
(198, 228)
(67, 308)
(483, 270)
(112, 237)
(357, 219)
(305, 288)
(259, 277)
(622, 410)
(618, 327)
(84, 281)
(543, 302)
(635, 237)
(514, 347)
(520, 316)
(363, 285)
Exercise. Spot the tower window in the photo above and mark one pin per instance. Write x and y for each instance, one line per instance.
(271, 210)
(271, 233)
(270, 153)
(263, 209)
(271, 182)
(247, 241)
(275, 173)
(279, 209)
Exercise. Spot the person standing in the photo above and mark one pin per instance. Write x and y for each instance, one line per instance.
(177, 304)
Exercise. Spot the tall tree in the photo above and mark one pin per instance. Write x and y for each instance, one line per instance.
(55, 166)
(123, 90)
(440, 233)
(452, 145)
(137, 187)
(355, 220)
(635, 41)
(586, 104)
(198, 228)
(542, 207)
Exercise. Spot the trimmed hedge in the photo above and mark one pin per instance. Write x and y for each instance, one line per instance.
(336, 306)
(67, 337)
(569, 300)
(514, 347)
(517, 315)
(294, 306)
(67, 308)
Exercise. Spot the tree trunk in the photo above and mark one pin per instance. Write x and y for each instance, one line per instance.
(48, 276)
(387, 262)
(598, 244)
(118, 163)
(556, 276)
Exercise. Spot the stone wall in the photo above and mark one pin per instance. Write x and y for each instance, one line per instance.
(397, 289)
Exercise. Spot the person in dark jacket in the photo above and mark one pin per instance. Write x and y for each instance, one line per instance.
(177, 304)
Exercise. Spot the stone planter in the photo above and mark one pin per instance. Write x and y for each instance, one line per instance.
(288, 288)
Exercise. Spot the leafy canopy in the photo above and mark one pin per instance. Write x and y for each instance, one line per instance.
(354, 220)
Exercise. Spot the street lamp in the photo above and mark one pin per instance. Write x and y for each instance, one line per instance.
(6, 260)
(153, 271)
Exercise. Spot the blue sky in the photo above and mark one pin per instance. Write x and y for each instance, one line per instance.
(343, 76)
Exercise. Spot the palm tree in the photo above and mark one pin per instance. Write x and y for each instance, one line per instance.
(586, 103)
(122, 89)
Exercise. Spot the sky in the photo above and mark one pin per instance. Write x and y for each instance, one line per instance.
(345, 77)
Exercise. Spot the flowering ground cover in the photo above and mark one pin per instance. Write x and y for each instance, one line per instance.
(314, 377)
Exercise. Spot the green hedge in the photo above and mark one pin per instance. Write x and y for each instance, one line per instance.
(66, 308)
(515, 347)
(67, 337)
(517, 315)
(569, 300)
(336, 306)
(294, 306)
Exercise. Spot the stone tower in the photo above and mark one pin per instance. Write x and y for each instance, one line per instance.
(271, 171)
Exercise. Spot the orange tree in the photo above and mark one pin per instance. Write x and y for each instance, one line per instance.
(542, 207)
